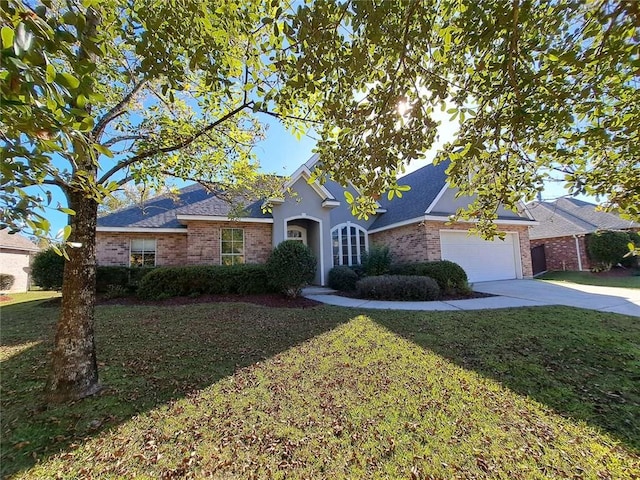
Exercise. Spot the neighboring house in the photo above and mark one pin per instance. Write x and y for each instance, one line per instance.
(196, 229)
(559, 240)
(16, 253)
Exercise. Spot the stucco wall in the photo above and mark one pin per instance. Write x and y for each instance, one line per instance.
(16, 263)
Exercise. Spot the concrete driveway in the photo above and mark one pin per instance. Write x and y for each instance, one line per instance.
(604, 299)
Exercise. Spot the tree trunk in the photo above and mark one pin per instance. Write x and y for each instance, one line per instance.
(74, 373)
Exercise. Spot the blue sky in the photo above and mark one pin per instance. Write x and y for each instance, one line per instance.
(281, 153)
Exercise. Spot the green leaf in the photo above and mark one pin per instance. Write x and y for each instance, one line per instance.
(349, 197)
(7, 37)
(68, 80)
(103, 150)
(68, 211)
(66, 231)
(51, 73)
(81, 101)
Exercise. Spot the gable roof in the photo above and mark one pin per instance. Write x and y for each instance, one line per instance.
(15, 241)
(162, 211)
(570, 216)
(426, 183)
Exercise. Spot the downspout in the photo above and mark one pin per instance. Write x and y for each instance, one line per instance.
(578, 252)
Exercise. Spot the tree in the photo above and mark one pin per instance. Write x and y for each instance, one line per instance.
(539, 89)
(97, 94)
(134, 91)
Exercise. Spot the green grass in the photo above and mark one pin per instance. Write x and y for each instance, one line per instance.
(241, 391)
(589, 278)
(28, 297)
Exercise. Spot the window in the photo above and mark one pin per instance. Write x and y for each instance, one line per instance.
(299, 234)
(232, 246)
(143, 253)
(349, 242)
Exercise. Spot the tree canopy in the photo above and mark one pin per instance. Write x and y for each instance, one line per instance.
(540, 90)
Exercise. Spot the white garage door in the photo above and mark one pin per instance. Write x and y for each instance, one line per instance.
(482, 260)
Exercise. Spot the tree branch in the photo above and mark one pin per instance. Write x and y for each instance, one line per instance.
(122, 138)
(115, 112)
(172, 148)
(289, 117)
(513, 51)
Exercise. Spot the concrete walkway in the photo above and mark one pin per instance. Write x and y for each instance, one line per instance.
(509, 293)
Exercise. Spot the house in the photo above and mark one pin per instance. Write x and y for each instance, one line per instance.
(16, 253)
(196, 229)
(559, 240)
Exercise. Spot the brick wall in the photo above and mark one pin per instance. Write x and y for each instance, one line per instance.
(112, 248)
(407, 243)
(203, 240)
(200, 245)
(560, 252)
(421, 242)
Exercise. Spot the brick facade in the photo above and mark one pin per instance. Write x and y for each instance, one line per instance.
(112, 249)
(407, 244)
(420, 242)
(560, 252)
(204, 241)
(199, 245)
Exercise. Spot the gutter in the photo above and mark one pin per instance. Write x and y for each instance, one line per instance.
(578, 252)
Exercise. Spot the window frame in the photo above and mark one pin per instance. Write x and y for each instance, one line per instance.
(232, 255)
(297, 228)
(348, 245)
(143, 252)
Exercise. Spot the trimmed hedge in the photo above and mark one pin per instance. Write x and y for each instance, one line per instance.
(290, 267)
(342, 278)
(6, 281)
(398, 287)
(167, 282)
(122, 277)
(450, 276)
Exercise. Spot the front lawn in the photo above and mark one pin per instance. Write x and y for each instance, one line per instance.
(622, 279)
(13, 298)
(242, 391)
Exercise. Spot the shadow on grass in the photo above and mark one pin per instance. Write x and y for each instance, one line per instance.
(583, 364)
(147, 356)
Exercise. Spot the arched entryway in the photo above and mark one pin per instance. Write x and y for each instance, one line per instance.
(307, 230)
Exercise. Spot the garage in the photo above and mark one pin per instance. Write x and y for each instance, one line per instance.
(482, 260)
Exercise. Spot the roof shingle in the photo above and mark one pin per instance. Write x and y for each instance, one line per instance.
(15, 241)
(570, 216)
(162, 211)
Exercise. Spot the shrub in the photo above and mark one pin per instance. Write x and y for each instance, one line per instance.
(608, 248)
(376, 261)
(167, 282)
(47, 269)
(342, 278)
(450, 276)
(116, 291)
(398, 287)
(6, 281)
(290, 267)
(125, 277)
